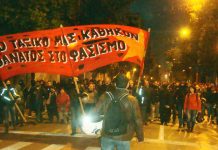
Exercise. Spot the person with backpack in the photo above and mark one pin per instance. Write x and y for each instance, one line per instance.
(192, 105)
(122, 117)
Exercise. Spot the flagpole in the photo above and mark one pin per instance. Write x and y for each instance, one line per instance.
(141, 72)
(74, 78)
(77, 90)
(16, 106)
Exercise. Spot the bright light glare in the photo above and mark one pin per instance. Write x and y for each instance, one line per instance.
(196, 5)
(89, 127)
(185, 33)
(128, 75)
(166, 76)
(86, 119)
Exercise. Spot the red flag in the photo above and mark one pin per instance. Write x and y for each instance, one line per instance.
(71, 50)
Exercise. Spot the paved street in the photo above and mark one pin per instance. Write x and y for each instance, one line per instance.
(57, 136)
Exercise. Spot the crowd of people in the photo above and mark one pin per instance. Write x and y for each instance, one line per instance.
(166, 102)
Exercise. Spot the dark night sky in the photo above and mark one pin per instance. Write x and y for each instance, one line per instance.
(164, 19)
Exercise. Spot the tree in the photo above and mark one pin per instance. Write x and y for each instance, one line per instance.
(199, 52)
(204, 24)
(21, 16)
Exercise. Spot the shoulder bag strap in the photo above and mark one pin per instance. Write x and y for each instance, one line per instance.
(110, 95)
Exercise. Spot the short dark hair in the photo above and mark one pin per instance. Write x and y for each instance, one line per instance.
(121, 81)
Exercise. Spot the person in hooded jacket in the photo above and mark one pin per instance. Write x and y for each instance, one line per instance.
(165, 104)
(180, 93)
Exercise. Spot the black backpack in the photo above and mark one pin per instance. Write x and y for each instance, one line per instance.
(115, 116)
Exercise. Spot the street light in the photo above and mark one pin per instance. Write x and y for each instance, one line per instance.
(128, 74)
(166, 76)
(185, 33)
(134, 70)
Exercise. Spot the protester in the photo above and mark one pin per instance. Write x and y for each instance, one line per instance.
(91, 97)
(9, 97)
(63, 104)
(40, 96)
(209, 104)
(75, 110)
(192, 105)
(31, 98)
(155, 115)
(106, 86)
(145, 99)
(132, 88)
(165, 105)
(215, 104)
(119, 136)
(52, 105)
(180, 94)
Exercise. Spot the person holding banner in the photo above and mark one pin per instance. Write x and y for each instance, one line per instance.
(131, 120)
(9, 97)
(75, 112)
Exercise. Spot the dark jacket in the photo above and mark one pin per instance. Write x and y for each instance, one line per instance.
(165, 98)
(215, 98)
(180, 94)
(133, 115)
(209, 96)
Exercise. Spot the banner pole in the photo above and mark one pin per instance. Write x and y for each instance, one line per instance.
(74, 78)
(141, 72)
(77, 90)
(16, 106)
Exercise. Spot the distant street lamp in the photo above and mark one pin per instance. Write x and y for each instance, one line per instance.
(134, 70)
(128, 74)
(166, 76)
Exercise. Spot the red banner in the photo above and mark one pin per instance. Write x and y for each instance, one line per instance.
(72, 50)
